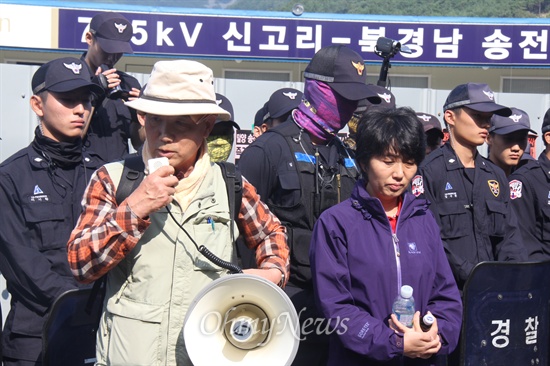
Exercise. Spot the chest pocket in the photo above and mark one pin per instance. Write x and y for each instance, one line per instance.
(496, 216)
(290, 193)
(453, 216)
(212, 230)
(47, 221)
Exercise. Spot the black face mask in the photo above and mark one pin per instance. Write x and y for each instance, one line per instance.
(62, 154)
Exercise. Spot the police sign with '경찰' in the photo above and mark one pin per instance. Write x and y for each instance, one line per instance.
(506, 319)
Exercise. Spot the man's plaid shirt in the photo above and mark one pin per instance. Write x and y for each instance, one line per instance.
(106, 232)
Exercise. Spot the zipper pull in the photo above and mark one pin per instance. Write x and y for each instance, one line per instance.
(339, 186)
(396, 243)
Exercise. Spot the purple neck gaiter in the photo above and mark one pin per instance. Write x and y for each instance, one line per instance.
(322, 111)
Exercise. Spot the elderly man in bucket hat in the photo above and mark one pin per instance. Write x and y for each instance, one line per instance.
(152, 267)
(300, 168)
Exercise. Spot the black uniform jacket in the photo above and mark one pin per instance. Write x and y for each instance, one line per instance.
(530, 195)
(475, 215)
(40, 205)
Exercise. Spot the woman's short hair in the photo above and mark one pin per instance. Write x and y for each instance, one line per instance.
(397, 130)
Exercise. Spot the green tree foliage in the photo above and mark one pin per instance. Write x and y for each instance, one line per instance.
(455, 8)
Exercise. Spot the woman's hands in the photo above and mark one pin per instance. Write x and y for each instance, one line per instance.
(416, 343)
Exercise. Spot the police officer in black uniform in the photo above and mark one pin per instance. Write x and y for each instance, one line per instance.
(301, 167)
(41, 189)
(109, 130)
(387, 101)
(508, 141)
(469, 195)
(530, 195)
(432, 129)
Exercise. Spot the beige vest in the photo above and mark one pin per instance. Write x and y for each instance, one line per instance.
(149, 291)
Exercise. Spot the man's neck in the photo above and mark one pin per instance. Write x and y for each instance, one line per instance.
(465, 154)
(89, 62)
(506, 168)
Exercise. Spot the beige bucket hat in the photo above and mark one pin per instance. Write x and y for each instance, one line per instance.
(178, 88)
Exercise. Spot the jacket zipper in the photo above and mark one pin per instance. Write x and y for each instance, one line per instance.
(395, 241)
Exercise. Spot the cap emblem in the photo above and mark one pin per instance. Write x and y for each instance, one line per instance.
(219, 101)
(359, 67)
(489, 94)
(515, 117)
(75, 68)
(386, 97)
(121, 27)
(290, 95)
(424, 117)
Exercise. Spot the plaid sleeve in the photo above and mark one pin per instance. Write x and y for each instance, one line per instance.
(263, 231)
(104, 233)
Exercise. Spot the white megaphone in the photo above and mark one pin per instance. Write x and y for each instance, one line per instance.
(241, 319)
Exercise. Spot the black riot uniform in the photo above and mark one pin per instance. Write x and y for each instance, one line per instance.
(41, 202)
(109, 129)
(472, 207)
(530, 197)
(298, 180)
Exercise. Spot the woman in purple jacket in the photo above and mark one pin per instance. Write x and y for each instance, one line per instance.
(365, 248)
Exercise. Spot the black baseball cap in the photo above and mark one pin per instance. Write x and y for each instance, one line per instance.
(63, 75)
(282, 101)
(113, 32)
(546, 122)
(517, 121)
(384, 99)
(223, 102)
(260, 115)
(478, 97)
(342, 69)
(429, 122)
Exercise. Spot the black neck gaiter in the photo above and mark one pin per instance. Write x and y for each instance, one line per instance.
(62, 154)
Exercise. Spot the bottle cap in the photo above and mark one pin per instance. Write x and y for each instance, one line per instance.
(428, 319)
(406, 291)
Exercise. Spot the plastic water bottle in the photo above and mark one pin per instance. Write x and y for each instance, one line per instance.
(403, 306)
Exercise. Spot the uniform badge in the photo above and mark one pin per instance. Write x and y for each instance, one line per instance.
(417, 185)
(494, 187)
(38, 195)
(515, 189)
(359, 67)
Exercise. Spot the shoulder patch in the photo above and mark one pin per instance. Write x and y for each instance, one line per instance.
(417, 185)
(515, 189)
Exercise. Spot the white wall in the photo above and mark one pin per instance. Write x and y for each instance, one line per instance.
(17, 121)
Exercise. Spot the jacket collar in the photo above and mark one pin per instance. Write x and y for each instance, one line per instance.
(452, 162)
(372, 207)
(89, 159)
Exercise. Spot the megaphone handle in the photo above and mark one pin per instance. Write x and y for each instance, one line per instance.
(218, 261)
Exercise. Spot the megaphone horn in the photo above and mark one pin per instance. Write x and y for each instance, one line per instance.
(241, 319)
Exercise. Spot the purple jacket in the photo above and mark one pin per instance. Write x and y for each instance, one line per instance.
(357, 273)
